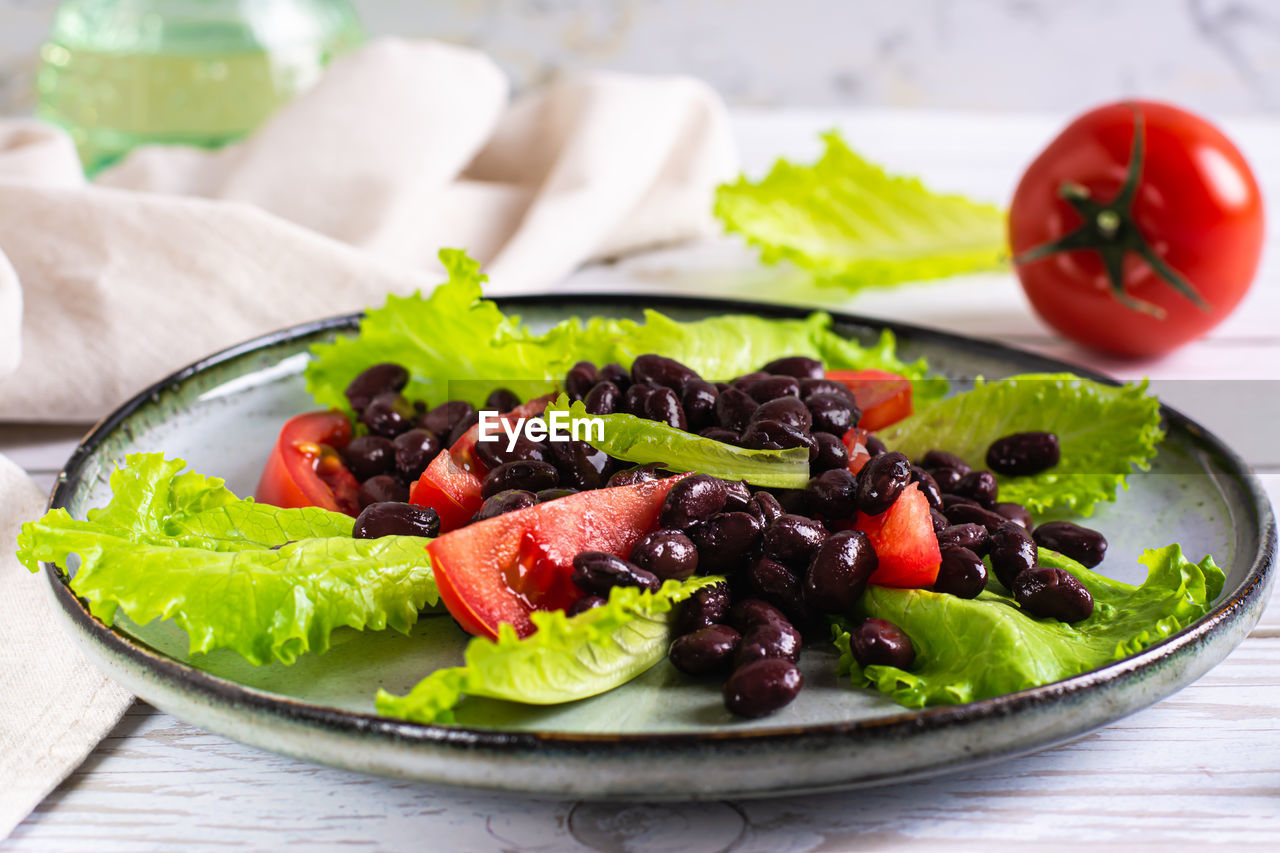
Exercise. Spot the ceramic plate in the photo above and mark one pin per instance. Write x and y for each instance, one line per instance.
(661, 736)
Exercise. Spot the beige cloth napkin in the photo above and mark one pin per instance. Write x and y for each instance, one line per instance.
(345, 195)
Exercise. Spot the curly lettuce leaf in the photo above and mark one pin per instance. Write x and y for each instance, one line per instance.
(849, 223)
(988, 646)
(1104, 431)
(643, 441)
(265, 582)
(457, 345)
(565, 659)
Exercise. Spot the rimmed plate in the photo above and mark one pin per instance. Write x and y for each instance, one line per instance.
(659, 737)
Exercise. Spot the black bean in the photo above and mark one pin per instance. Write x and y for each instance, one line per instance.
(839, 571)
(585, 603)
(748, 378)
(661, 371)
(501, 400)
(692, 500)
(972, 536)
(949, 501)
(414, 451)
(389, 414)
(505, 502)
(831, 453)
(787, 410)
(794, 501)
(461, 427)
(878, 642)
(1015, 512)
(770, 581)
(393, 518)
(379, 379)
(496, 449)
(793, 539)
(617, 374)
(734, 408)
(581, 378)
(633, 401)
(708, 606)
(638, 474)
(946, 477)
(604, 398)
(545, 495)
(962, 573)
(750, 612)
(1012, 551)
(668, 554)
(772, 387)
(1024, 453)
(942, 459)
(760, 688)
(383, 488)
(526, 475)
(726, 541)
(581, 466)
(813, 387)
(597, 572)
(882, 480)
(726, 436)
(972, 514)
(705, 650)
(833, 494)
(698, 397)
(799, 366)
(663, 405)
(776, 435)
(443, 418)
(764, 507)
(1082, 544)
(768, 640)
(370, 455)
(939, 520)
(1054, 593)
(875, 446)
(928, 486)
(832, 413)
(979, 486)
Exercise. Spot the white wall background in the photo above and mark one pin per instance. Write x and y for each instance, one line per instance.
(1218, 56)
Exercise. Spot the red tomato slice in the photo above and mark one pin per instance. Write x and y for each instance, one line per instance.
(904, 541)
(504, 568)
(856, 442)
(451, 484)
(305, 468)
(883, 397)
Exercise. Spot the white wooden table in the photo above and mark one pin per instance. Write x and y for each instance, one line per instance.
(1200, 768)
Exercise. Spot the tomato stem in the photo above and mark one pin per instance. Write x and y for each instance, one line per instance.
(1109, 230)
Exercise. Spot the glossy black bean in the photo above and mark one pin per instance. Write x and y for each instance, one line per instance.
(768, 640)
(726, 542)
(708, 606)
(638, 474)
(875, 446)
(370, 455)
(727, 436)
(944, 459)
(973, 514)
(668, 554)
(787, 410)
(962, 573)
(949, 501)
(812, 387)
(501, 400)
(495, 448)
(383, 488)
(882, 480)
(946, 477)
(597, 572)
(770, 581)
(693, 500)
(395, 518)
(747, 613)
(388, 414)
(617, 374)
(379, 379)
(831, 453)
(1012, 552)
(1053, 593)
(580, 379)
(461, 427)
(763, 687)
(733, 409)
(545, 495)
(698, 397)
(1015, 512)
(764, 507)
(775, 435)
(585, 603)
(832, 413)
(505, 502)
(705, 650)
(661, 371)
(839, 571)
(633, 401)
(1024, 453)
(772, 387)
(737, 495)
(525, 475)
(414, 451)
(1082, 544)
(663, 405)
(979, 486)
(878, 642)
(746, 379)
(580, 465)
(443, 418)
(939, 520)
(833, 494)
(928, 486)
(793, 539)
(604, 398)
(799, 366)
(972, 536)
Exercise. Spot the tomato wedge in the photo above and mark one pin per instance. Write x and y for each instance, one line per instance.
(904, 541)
(451, 484)
(855, 440)
(883, 397)
(504, 568)
(305, 467)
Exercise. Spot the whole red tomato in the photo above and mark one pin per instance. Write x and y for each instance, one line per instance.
(1137, 229)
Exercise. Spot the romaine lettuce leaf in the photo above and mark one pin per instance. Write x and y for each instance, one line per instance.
(566, 658)
(266, 582)
(974, 649)
(643, 441)
(1104, 432)
(849, 223)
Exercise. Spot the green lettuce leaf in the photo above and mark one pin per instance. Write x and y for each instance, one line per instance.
(849, 223)
(975, 649)
(1104, 432)
(566, 658)
(266, 582)
(643, 441)
(457, 345)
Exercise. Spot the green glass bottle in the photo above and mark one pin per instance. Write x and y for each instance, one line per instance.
(120, 73)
